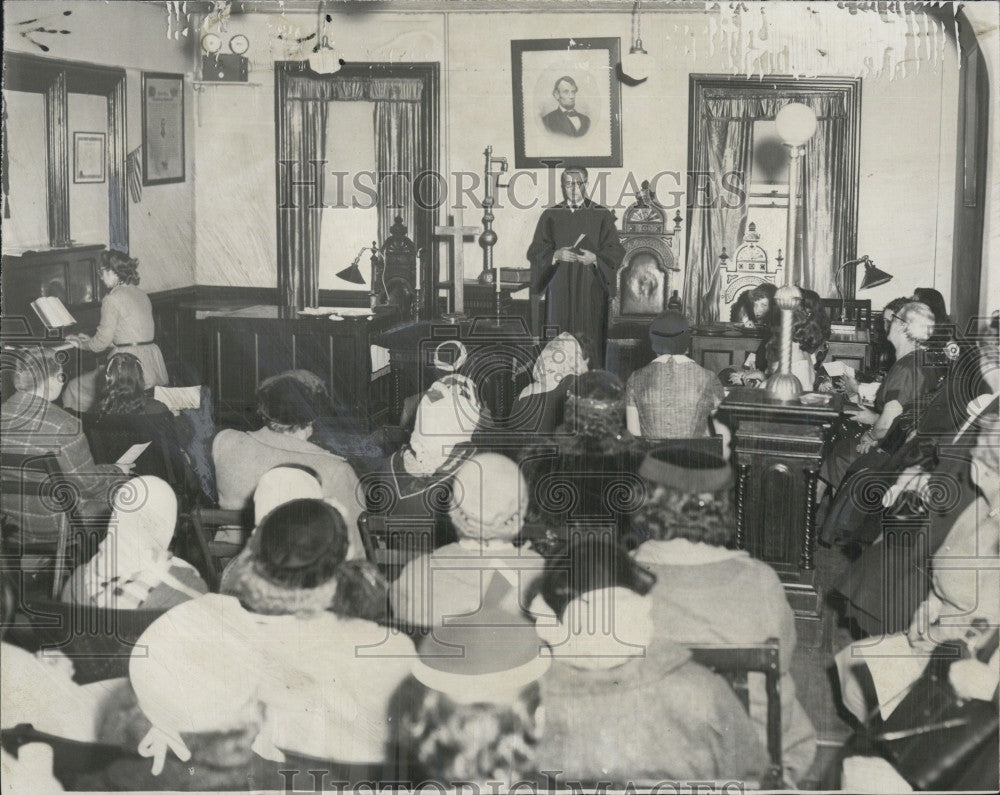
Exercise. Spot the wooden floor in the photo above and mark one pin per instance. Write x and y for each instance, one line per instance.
(815, 679)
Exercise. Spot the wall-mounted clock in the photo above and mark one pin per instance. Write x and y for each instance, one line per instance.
(239, 44)
(211, 43)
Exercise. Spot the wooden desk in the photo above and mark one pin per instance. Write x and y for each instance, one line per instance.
(248, 345)
(778, 449)
(717, 351)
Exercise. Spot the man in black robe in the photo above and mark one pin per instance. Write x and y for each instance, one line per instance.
(574, 256)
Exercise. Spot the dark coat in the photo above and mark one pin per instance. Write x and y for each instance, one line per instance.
(557, 122)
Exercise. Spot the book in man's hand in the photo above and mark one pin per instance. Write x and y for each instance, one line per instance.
(52, 312)
(584, 243)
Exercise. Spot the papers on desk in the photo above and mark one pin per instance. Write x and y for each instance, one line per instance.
(131, 455)
(336, 313)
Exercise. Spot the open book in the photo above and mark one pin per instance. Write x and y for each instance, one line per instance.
(52, 312)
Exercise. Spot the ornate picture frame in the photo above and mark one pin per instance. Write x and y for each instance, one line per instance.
(567, 102)
(162, 128)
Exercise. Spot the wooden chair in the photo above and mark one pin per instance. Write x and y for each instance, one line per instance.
(202, 526)
(28, 477)
(100, 642)
(391, 543)
(734, 662)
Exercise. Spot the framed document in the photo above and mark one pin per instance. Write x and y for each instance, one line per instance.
(88, 157)
(162, 128)
(567, 102)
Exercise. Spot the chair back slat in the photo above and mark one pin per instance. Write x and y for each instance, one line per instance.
(735, 662)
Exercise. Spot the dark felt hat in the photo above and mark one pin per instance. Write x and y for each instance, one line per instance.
(670, 332)
(686, 469)
(295, 397)
(300, 544)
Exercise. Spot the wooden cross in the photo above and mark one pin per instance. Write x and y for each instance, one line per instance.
(457, 233)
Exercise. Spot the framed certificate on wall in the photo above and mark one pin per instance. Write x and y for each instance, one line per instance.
(162, 128)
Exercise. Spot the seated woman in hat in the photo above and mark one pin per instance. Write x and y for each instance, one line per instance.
(289, 403)
(471, 710)
(415, 481)
(539, 406)
(703, 588)
(672, 397)
(133, 568)
(488, 506)
(622, 703)
(324, 677)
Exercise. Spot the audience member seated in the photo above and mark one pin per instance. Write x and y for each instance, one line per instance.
(133, 568)
(126, 325)
(672, 397)
(539, 407)
(471, 710)
(39, 689)
(450, 356)
(963, 608)
(882, 587)
(583, 480)
(125, 414)
(288, 402)
(325, 678)
(621, 704)
(488, 505)
(703, 588)
(944, 326)
(415, 481)
(742, 312)
(810, 333)
(282, 485)
(904, 384)
(884, 354)
(33, 424)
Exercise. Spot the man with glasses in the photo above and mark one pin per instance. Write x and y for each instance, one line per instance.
(574, 257)
(31, 423)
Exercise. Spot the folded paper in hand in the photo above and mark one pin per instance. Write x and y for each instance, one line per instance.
(131, 455)
(838, 368)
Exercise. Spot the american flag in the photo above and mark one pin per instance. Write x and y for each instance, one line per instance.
(133, 164)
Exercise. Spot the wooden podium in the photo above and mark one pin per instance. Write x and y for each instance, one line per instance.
(778, 448)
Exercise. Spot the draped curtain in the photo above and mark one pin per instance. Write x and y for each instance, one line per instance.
(302, 101)
(724, 141)
(398, 151)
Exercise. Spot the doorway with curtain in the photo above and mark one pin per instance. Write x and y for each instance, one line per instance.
(725, 118)
(405, 124)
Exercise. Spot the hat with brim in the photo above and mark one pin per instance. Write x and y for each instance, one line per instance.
(487, 657)
(670, 332)
(686, 469)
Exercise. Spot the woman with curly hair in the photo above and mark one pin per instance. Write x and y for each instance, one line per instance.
(702, 585)
(581, 479)
(126, 325)
(476, 715)
(810, 332)
(124, 389)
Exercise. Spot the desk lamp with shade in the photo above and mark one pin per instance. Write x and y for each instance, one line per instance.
(873, 278)
(352, 273)
(796, 124)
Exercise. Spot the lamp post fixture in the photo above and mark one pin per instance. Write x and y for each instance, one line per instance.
(796, 125)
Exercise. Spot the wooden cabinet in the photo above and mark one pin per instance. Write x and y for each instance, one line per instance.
(778, 449)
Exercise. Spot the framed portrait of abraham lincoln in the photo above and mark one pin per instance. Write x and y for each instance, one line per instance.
(567, 102)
